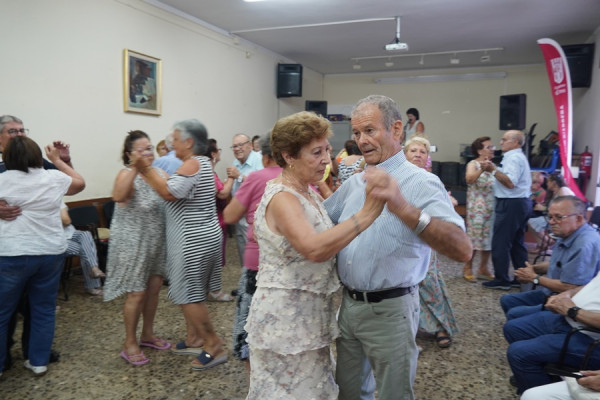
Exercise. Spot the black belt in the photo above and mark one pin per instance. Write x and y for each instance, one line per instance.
(376, 297)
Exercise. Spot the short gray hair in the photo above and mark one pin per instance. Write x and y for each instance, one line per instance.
(194, 129)
(169, 141)
(5, 119)
(578, 205)
(265, 145)
(390, 112)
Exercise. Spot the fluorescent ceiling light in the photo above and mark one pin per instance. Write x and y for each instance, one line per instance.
(441, 78)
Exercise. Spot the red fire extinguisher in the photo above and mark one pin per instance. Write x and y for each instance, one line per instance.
(585, 165)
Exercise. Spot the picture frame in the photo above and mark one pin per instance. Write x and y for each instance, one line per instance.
(142, 83)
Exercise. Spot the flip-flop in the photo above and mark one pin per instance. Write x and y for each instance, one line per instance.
(446, 339)
(220, 296)
(129, 358)
(182, 349)
(156, 343)
(206, 361)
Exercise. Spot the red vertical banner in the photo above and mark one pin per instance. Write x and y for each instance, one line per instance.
(560, 85)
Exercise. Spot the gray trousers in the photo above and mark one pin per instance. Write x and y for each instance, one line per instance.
(380, 337)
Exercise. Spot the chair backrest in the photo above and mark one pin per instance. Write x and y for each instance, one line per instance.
(108, 208)
(84, 216)
(460, 196)
(595, 218)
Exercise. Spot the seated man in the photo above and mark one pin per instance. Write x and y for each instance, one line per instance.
(536, 339)
(574, 262)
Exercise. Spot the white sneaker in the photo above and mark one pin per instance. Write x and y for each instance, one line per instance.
(39, 371)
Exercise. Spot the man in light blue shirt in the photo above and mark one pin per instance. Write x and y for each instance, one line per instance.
(169, 162)
(512, 188)
(574, 262)
(381, 268)
(246, 161)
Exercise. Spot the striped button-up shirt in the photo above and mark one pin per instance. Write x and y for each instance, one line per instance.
(388, 254)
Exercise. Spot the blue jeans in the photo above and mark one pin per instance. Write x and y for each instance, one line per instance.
(39, 277)
(517, 305)
(535, 340)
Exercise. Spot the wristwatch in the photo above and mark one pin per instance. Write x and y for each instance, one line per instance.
(536, 280)
(240, 178)
(494, 171)
(572, 312)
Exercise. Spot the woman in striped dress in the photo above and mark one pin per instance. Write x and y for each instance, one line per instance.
(193, 241)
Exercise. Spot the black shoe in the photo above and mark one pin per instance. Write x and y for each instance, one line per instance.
(54, 356)
(496, 284)
(515, 283)
(513, 381)
(7, 362)
(234, 292)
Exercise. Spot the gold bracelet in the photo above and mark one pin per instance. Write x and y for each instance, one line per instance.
(356, 224)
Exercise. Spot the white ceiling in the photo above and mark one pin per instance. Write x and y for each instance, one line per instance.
(426, 25)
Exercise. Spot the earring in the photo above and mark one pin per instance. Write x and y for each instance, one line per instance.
(291, 166)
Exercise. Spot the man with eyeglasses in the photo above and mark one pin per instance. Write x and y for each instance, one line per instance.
(512, 188)
(574, 262)
(11, 126)
(246, 161)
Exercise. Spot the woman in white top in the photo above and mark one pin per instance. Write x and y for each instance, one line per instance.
(413, 125)
(32, 246)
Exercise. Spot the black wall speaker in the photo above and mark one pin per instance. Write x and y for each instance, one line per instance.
(580, 58)
(289, 80)
(318, 107)
(512, 111)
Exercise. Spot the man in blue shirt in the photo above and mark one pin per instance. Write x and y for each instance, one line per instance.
(512, 188)
(574, 262)
(382, 267)
(246, 161)
(169, 162)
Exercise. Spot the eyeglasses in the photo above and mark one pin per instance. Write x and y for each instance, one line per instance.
(240, 145)
(15, 132)
(148, 148)
(491, 147)
(558, 218)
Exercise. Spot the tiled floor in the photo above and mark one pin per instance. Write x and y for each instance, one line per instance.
(89, 336)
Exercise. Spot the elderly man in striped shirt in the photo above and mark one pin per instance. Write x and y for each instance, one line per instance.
(382, 267)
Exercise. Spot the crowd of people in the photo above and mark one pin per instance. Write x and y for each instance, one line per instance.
(375, 235)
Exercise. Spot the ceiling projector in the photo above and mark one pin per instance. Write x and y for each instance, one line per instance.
(396, 46)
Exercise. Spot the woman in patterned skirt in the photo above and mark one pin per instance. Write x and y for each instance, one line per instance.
(136, 254)
(480, 208)
(436, 315)
(193, 240)
(292, 316)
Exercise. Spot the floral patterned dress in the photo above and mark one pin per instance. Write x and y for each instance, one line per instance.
(435, 313)
(292, 316)
(480, 210)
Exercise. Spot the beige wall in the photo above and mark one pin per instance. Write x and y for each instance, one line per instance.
(455, 112)
(62, 74)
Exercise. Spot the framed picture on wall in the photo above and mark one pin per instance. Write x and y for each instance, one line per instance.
(142, 83)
